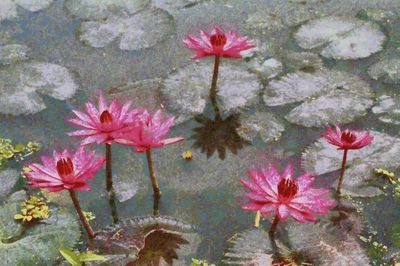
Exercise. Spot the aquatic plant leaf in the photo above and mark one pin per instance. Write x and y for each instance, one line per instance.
(8, 179)
(13, 53)
(8, 8)
(388, 109)
(70, 256)
(329, 97)
(322, 157)
(21, 86)
(326, 246)
(267, 69)
(39, 243)
(343, 38)
(236, 88)
(101, 9)
(386, 69)
(140, 31)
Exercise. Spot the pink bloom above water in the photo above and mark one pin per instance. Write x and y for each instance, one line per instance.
(348, 139)
(271, 192)
(65, 171)
(100, 125)
(217, 43)
(148, 131)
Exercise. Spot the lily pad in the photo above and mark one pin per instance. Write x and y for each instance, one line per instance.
(101, 9)
(38, 244)
(341, 37)
(267, 69)
(187, 90)
(140, 31)
(325, 246)
(387, 69)
(322, 157)
(388, 109)
(329, 97)
(9, 178)
(8, 8)
(21, 86)
(174, 6)
(12, 53)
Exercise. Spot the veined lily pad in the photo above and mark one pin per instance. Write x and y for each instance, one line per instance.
(330, 97)
(187, 90)
(8, 179)
(322, 157)
(21, 85)
(8, 8)
(388, 109)
(387, 69)
(140, 31)
(13, 53)
(38, 244)
(101, 9)
(341, 38)
(326, 246)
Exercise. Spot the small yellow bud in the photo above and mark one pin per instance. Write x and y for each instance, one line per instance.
(187, 155)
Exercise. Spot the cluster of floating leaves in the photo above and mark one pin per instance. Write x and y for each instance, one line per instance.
(17, 152)
(33, 209)
(375, 249)
(197, 262)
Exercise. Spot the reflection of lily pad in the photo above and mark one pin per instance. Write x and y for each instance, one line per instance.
(39, 244)
(21, 85)
(13, 53)
(327, 247)
(187, 90)
(341, 38)
(388, 109)
(8, 179)
(322, 157)
(387, 69)
(329, 97)
(140, 31)
(8, 8)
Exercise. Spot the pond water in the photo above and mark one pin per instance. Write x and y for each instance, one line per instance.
(317, 62)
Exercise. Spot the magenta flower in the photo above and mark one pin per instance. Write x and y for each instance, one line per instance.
(148, 131)
(271, 192)
(102, 124)
(217, 43)
(347, 140)
(65, 171)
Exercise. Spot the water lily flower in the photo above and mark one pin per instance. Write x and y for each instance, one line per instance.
(66, 171)
(217, 44)
(271, 192)
(147, 132)
(346, 140)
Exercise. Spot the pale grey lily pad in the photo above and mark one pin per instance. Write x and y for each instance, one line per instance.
(260, 122)
(326, 246)
(322, 157)
(8, 8)
(187, 91)
(12, 53)
(21, 86)
(267, 69)
(387, 69)
(40, 243)
(305, 61)
(101, 9)
(341, 38)
(140, 31)
(9, 178)
(251, 247)
(388, 109)
(328, 97)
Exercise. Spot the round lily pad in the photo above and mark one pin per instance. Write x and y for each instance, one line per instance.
(327, 96)
(8, 8)
(186, 91)
(341, 37)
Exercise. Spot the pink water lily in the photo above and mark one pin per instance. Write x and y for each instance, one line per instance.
(102, 124)
(65, 170)
(285, 196)
(218, 43)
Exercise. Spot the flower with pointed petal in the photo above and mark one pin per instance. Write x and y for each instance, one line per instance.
(347, 139)
(102, 124)
(65, 170)
(271, 192)
(217, 43)
(148, 131)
